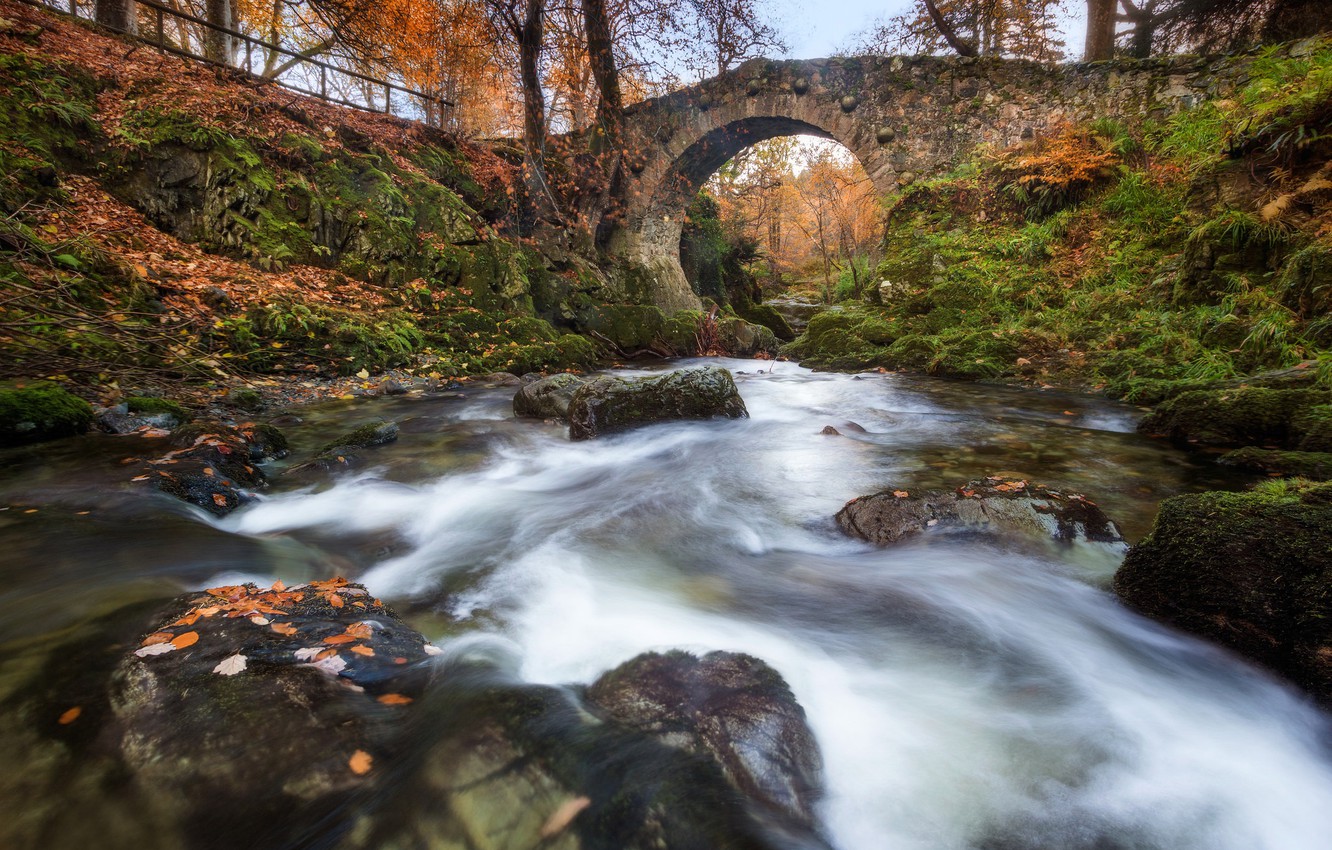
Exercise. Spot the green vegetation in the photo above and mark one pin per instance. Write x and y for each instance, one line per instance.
(149, 406)
(1144, 262)
(43, 412)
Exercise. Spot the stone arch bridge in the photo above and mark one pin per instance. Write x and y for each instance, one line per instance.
(903, 117)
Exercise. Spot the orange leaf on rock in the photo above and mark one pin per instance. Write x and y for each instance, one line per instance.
(187, 639)
(219, 500)
(901, 494)
(336, 639)
(72, 714)
(360, 762)
(361, 631)
(394, 699)
(283, 628)
(157, 637)
(362, 649)
(335, 600)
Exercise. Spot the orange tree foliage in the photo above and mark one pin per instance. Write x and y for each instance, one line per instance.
(1055, 171)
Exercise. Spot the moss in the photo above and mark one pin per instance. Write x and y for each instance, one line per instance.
(366, 436)
(1312, 429)
(1252, 571)
(1233, 417)
(37, 413)
(1312, 465)
(844, 339)
(246, 399)
(150, 406)
(629, 327)
(680, 332)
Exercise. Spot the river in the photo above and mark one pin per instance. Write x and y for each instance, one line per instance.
(967, 693)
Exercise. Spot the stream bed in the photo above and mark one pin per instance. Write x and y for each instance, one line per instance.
(967, 693)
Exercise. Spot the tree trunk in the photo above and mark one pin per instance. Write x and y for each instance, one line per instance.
(1100, 30)
(217, 45)
(1295, 19)
(529, 36)
(120, 15)
(601, 57)
(949, 34)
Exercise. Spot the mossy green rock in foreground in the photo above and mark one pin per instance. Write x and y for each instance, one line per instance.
(1251, 571)
(33, 414)
(607, 404)
(1242, 416)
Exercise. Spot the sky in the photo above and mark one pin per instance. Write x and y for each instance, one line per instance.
(817, 28)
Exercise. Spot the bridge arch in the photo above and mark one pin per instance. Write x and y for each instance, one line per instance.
(901, 117)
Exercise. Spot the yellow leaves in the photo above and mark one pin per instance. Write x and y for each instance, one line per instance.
(360, 762)
(72, 714)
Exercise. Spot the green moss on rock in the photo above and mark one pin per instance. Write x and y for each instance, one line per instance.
(34, 414)
(149, 406)
(1234, 417)
(1312, 465)
(1251, 571)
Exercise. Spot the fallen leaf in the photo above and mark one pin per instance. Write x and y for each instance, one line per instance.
(187, 639)
(431, 649)
(360, 631)
(332, 665)
(400, 660)
(156, 638)
(362, 649)
(72, 714)
(140, 478)
(260, 621)
(283, 628)
(279, 586)
(230, 666)
(308, 653)
(901, 494)
(155, 649)
(363, 374)
(335, 600)
(336, 639)
(360, 762)
(219, 500)
(563, 816)
(394, 699)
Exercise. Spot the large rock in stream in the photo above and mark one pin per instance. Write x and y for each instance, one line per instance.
(1250, 571)
(312, 716)
(548, 398)
(994, 505)
(608, 405)
(214, 466)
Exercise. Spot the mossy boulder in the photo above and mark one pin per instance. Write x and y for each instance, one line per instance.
(1243, 416)
(1316, 466)
(994, 505)
(608, 405)
(212, 466)
(46, 412)
(1250, 571)
(159, 407)
(547, 398)
(628, 327)
(843, 340)
(1312, 427)
(366, 436)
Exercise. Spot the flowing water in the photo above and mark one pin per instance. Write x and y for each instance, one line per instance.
(966, 692)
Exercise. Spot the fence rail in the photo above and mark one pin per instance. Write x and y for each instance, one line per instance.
(300, 73)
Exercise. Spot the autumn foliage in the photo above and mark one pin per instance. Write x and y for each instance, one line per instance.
(1055, 171)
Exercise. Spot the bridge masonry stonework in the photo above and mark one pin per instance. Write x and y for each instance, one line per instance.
(904, 118)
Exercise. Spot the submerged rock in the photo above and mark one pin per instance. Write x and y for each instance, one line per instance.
(547, 398)
(994, 505)
(607, 405)
(1251, 571)
(731, 707)
(372, 434)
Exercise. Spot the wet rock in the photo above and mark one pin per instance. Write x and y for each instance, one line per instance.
(830, 431)
(499, 379)
(1251, 571)
(118, 420)
(212, 466)
(366, 436)
(266, 442)
(608, 405)
(992, 505)
(388, 386)
(46, 412)
(547, 398)
(1316, 466)
(279, 703)
(731, 707)
(1240, 416)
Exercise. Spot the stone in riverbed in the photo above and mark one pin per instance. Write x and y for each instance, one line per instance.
(547, 398)
(1251, 571)
(608, 405)
(992, 505)
(731, 707)
(43, 412)
(212, 465)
